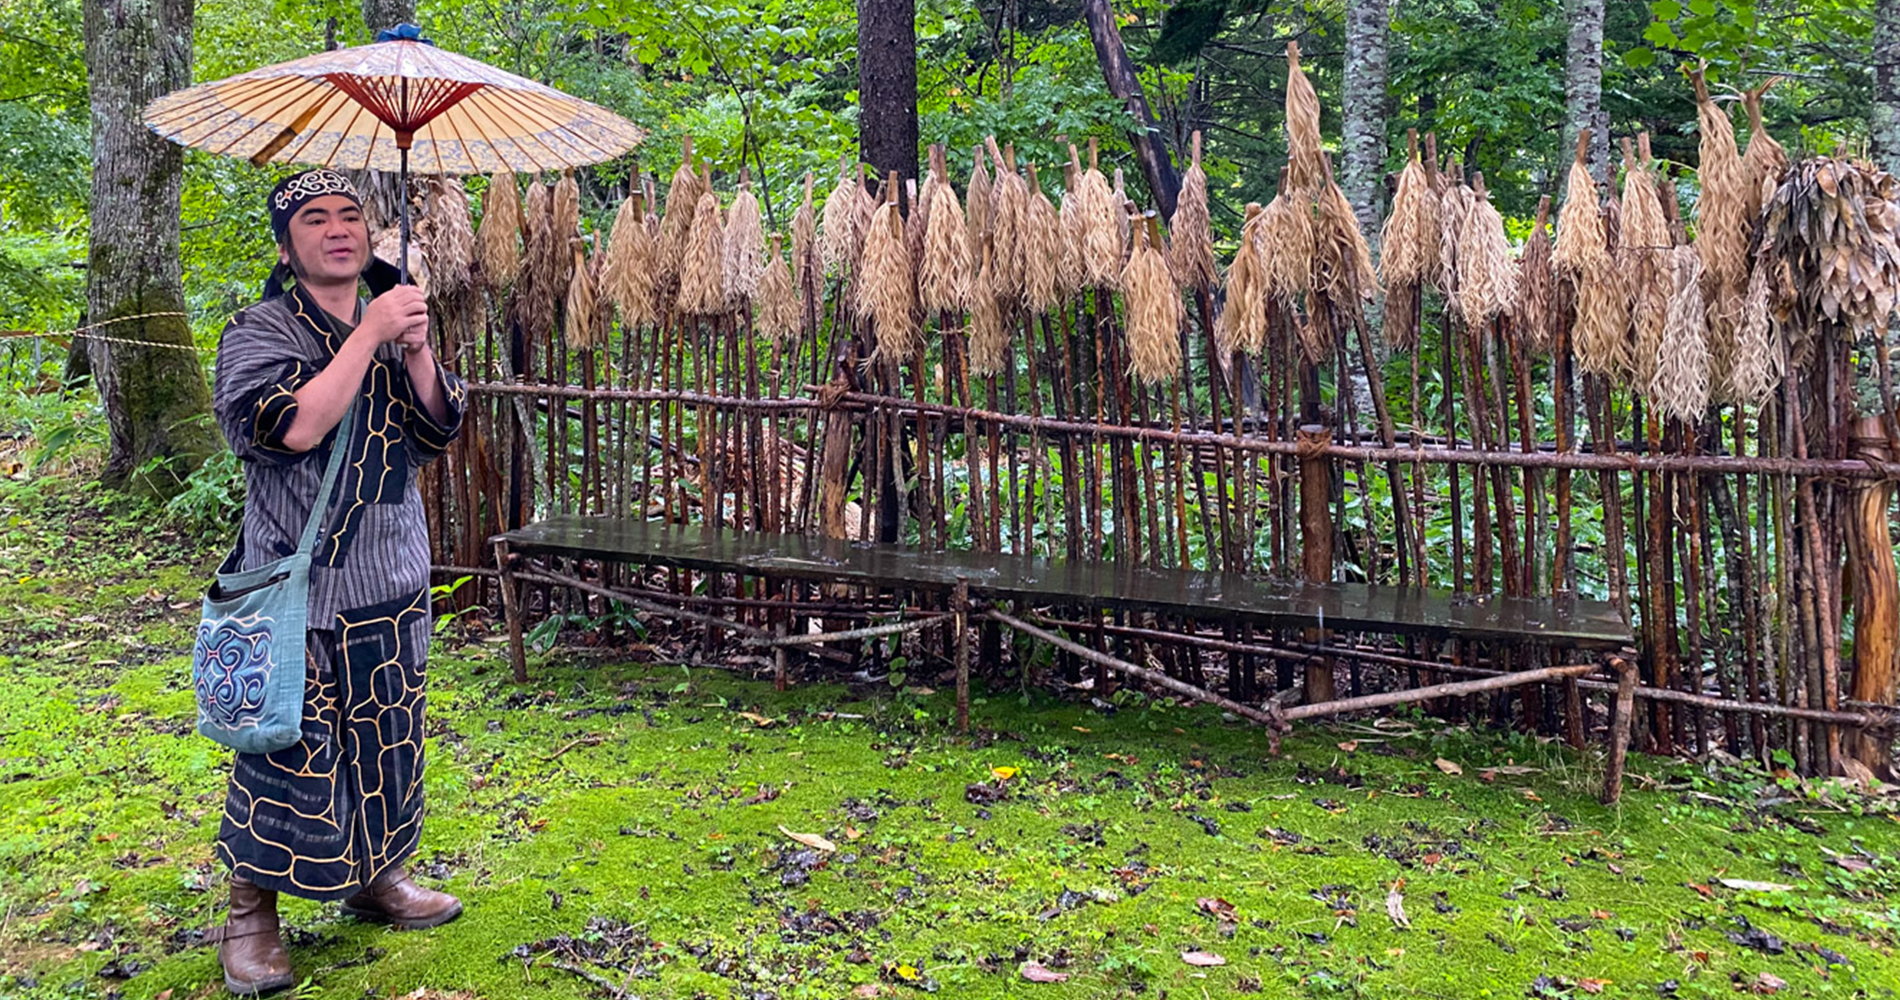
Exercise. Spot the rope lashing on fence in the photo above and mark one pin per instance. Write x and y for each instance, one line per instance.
(85, 333)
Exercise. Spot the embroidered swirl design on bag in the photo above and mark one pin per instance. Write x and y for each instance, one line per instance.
(230, 665)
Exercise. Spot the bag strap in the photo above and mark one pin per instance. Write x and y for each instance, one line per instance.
(338, 449)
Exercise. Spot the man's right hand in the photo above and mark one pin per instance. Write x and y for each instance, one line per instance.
(394, 313)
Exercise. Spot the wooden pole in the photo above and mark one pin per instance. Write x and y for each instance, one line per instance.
(1619, 729)
(1316, 541)
(1876, 589)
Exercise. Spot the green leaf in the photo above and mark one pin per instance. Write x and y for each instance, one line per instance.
(1661, 36)
(1702, 8)
(1666, 10)
(1639, 58)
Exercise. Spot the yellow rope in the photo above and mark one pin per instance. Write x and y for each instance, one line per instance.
(84, 332)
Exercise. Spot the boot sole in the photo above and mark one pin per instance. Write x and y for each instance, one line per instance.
(259, 988)
(379, 917)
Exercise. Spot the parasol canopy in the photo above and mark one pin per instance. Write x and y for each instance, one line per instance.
(399, 100)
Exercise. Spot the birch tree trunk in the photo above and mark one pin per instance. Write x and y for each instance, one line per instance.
(156, 401)
(1363, 165)
(1583, 84)
(887, 85)
(1885, 127)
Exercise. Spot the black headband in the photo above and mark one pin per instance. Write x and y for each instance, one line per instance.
(293, 192)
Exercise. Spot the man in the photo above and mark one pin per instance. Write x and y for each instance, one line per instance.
(337, 815)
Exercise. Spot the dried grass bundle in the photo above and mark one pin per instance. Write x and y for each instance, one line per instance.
(917, 224)
(1306, 166)
(1192, 254)
(567, 221)
(682, 201)
(976, 209)
(1454, 207)
(1679, 383)
(1581, 247)
(744, 248)
(386, 245)
(583, 330)
(1343, 266)
(775, 297)
(1642, 258)
(628, 273)
(1407, 242)
(1600, 337)
(1042, 250)
(1487, 279)
(1287, 241)
(866, 205)
(1765, 162)
(543, 267)
(887, 293)
(1069, 217)
(1009, 208)
(805, 240)
(1760, 357)
(989, 335)
(1723, 231)
(838, 238)
(500, 233)
(1241, 326)
(451, 236)
(943, 285)
(702, 262)
(1535, 285)
(1155, 313)
(1100, 218)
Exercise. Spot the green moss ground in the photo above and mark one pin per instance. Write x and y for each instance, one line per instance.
(633, 810)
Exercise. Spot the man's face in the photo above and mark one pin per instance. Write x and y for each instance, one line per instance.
(329, 241)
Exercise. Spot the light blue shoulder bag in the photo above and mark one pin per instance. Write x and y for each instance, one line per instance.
(247, 666)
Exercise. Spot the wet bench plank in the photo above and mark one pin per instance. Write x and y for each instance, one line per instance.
(1192, 593)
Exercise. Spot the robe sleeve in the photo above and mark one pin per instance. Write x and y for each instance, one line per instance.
(429, 438)
(260, 368)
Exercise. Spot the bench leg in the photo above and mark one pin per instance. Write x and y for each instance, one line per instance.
(511, 609)
(962, 601)
(1620, 728)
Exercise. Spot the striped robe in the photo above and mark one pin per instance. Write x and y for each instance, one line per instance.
(322, 818)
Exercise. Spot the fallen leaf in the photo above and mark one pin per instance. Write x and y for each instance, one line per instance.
(1602, 914)
(757, 719)
(1395, 908)
(165, 995)
(1005, 773)
(1082, 729)
(1215, 907)
(1751, 885)
(1202, 958)
(852, 833)
(811, 840)
(1036, 972)
(1852, 863)
(1432, 858)
(1349, 746)
(866, 990)
(1769, 983)
(907, 972)
(1592, 985)
(1706, 892)
(1449, 767)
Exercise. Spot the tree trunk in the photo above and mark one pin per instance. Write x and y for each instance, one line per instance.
(1876, 586)
(381, 190)
(1885, 130)
(887, 85)
(380, 14)
(1583, 84)
(1124, 83)
(156, 401)
(1363, 171)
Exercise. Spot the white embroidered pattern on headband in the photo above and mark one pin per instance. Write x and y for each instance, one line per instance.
(312, 184)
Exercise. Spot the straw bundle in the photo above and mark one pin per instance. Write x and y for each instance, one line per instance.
(865, 205)
(887, 294)
(542, 267)
(386, 245)
(744, 248)
(1100, 215)
(943, 284)
(500, 233)
(1408, 248)
(1305, 150)
(1600, 336)
(682, 201)
(775, 297)
(628, 274)
(1192, 254)
(1286, 241)
(917, 224)
(1454, 205)
(1580, 247)
(1722, 236)
(567, 221)
(976, 210)
(1154, 309)
(1679, 385)
(1069, 219)
(1759, 355)
(1765, 162)
(805, 240)
(1535, 285)
(1643, 258)
(1241, 326)
(450, 239)
(989, 337)
(1487, 279)
(583, 331)
(702, 262)
(837, 232)
(1042, 250)
(1009, 207)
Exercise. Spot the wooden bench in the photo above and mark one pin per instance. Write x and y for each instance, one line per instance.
(964, 576)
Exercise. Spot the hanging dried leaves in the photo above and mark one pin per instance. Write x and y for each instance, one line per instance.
(1042, 257)
(1192, 252)
(1155, 313)
(1765, 162)
(500, 234)
(1408, 248)
(943, 285)
(451, 237)
(582, 330)
(629, 271)
(1069, 215)
(1679, 385)
(887, 293)
(1241, 326)
(702, 262)
(1832, 226)
(777, 303)
(535, 298)
(976, 209)
(1287, 243)
(743, 248)
(1487, 277)
(1100, 218)
(1009, 204)
(1581, 247)
(1454, 205)
(1306, 151)
(682, 202)
(805, 240)
(567, 223)
(989, 336)
(1760, 356)
(838, 238)
(1535, 285)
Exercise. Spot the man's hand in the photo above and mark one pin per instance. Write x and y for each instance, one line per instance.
(399, 315)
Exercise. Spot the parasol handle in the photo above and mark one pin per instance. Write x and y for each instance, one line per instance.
(402, 195)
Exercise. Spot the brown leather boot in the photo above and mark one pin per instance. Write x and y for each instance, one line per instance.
(396, 899)
(251, 944)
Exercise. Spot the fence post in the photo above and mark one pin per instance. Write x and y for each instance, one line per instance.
(1620, 728)
(1316, 541)
(960, 602)
(511, 609)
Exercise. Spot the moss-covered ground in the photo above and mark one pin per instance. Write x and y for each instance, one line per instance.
(615, 829)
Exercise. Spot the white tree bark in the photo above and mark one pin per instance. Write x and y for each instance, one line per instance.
(1583, 84)
(1884, 129)
(1362, 173)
